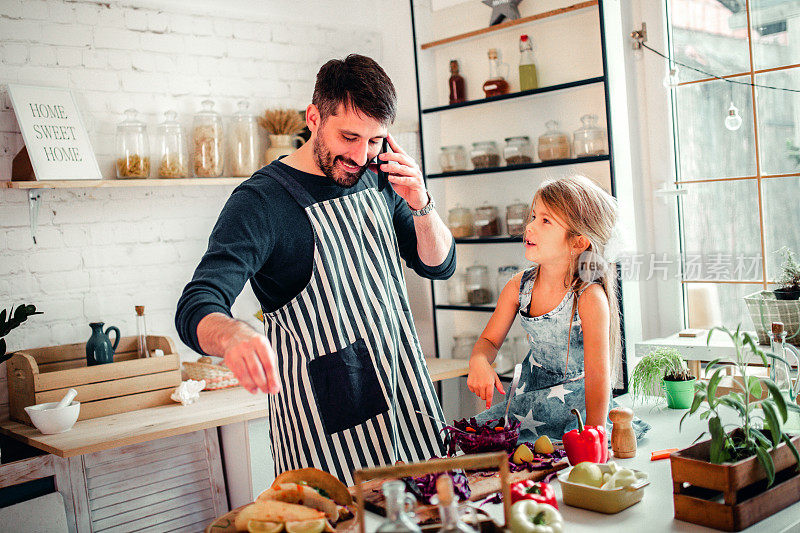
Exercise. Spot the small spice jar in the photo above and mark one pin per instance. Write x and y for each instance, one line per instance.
(453, 158)
(243, 142)
(487, 223)
(460, 222)
(173, 160)
(478, 290)
(207, 158)
(133, 147)
(504, 275)
(553, 144)
(463, 345)
(589, 139)
(484, 155)
(518, 150)
(457, 289)
(516, 216)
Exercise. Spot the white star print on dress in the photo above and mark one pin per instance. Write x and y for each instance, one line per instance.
(520, 389)
(528, 422)
(534, 363)
(559, 391)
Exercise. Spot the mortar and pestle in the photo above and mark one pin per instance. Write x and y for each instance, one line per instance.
(55, 417)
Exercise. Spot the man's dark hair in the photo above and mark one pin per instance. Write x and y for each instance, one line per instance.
(358, 83)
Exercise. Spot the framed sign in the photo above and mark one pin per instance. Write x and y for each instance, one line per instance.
(55, 139)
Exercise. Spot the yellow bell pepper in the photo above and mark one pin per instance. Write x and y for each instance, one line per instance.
(528, 516)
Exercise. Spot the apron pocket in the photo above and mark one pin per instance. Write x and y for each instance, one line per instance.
(346, 388)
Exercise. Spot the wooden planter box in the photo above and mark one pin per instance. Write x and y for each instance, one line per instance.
(731, 496)
(129, 383)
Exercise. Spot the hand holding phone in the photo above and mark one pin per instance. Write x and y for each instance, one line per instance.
(383, 179)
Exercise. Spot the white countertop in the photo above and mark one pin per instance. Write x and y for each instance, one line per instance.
(655, 512)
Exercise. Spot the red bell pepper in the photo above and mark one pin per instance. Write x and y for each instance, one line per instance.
(528, 489)
(587, 443)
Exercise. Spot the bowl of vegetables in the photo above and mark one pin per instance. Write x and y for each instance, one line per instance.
(474, 437)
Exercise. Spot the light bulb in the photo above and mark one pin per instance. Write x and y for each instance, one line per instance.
(671, 79)
(733, 121)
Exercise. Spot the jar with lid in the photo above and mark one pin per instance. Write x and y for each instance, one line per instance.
(478, 290)
(133, 147)
(457, 289)
(553, 144)
(504, 275)
(207, 158)
(460, 222)
(516, 217)
(463, 345)
(589, 139)
(518, 150)
(485, 154)
(487, 222)
(453, 158)
(173, 160)
(243, 139)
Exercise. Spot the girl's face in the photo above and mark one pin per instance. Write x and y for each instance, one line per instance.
(546, 237)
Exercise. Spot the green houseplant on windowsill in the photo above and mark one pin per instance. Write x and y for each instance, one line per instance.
(663, 373)
(790, 279)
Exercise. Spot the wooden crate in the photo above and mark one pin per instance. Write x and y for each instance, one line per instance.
(129, 383)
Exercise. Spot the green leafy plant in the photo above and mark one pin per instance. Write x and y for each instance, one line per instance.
(790, 278)
(680, 374)
(12, 319)
(729, 445)
(652, 368)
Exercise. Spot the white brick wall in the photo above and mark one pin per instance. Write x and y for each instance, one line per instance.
(102, 251)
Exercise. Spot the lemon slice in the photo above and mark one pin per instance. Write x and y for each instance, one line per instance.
(306, 526)
(523, 454)
(543, 445)
(259, 526)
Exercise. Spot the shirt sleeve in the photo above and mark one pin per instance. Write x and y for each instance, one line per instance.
(239, 245)
(403, 222)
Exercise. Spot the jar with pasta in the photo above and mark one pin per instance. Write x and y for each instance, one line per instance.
(207, 157)
(243, 138)
(553, 144)
(133, 147)
(173, 161)
(460, 222)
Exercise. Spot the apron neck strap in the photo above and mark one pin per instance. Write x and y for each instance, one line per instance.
(292, 186)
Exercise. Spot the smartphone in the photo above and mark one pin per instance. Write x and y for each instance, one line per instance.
(383, 180)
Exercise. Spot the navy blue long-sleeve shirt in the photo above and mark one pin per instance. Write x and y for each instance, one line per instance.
(263, 235)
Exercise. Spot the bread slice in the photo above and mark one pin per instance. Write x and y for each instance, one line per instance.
(275, 511)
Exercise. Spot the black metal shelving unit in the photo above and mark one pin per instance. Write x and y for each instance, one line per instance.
(524, 166)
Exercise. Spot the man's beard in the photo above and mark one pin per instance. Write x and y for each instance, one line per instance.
(327, 164)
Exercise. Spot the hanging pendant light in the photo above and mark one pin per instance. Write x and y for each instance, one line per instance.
(734, 120)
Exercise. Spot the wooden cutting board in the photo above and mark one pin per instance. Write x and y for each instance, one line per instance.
(481, 485)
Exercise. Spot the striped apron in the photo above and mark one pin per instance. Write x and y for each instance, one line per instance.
(336, 342)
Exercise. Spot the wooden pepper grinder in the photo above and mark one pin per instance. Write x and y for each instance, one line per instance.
(623, 440)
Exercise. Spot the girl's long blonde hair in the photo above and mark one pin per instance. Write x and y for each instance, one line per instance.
(589, 211)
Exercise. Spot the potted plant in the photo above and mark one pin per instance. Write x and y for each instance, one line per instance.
(284, 127)
(790, 279)
(10, 320)
(756, 470)
(663, 372)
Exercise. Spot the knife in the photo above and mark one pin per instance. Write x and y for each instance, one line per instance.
(514, 382)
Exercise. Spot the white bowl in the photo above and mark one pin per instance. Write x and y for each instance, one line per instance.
(49, 420)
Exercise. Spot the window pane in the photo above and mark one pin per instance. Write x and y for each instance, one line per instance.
(776, 32)
(781, 220)
(706, 148)
(715, 304)
(705, 35)
(779, 122)
(721, 230)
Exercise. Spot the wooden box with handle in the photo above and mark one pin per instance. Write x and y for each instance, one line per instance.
(129, 383)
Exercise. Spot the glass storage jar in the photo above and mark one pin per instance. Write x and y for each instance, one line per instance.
(516, 217)
(487, 222)
(457, 289)
(589, 139)
(207, 158)
(484, 154)
(453, 158)
(133, 147)
(173, 160)
(243, 139)
(460, 222)
(463, 345)
(553, 144)
(478, 290)
(504, 275)
(518, 150)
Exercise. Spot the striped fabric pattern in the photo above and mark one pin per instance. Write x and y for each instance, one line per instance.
(357, 291)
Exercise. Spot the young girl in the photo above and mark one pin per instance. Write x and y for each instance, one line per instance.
(567, 304)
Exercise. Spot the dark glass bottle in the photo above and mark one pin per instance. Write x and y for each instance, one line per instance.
(458, 92)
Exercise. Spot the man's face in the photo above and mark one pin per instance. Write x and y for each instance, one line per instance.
(345, 143)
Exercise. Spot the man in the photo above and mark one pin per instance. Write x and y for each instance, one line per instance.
(321, 247)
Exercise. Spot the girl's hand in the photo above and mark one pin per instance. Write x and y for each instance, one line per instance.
(483, 380)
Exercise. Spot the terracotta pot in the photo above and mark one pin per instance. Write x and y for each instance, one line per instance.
(281, 145)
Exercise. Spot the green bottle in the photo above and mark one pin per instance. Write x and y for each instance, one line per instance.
(527, 70)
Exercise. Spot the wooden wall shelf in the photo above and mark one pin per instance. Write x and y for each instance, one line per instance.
(509, 24)
(94, 184)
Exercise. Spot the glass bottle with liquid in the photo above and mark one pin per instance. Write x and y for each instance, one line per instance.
(398, 517)
(458, 91)
(448, 508)
(527, 70)
(141, 333)
(496, 84)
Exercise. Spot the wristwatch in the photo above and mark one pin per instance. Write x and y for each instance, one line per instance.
(425, 210)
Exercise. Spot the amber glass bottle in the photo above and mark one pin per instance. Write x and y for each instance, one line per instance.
(457, 90)
(496, 84)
